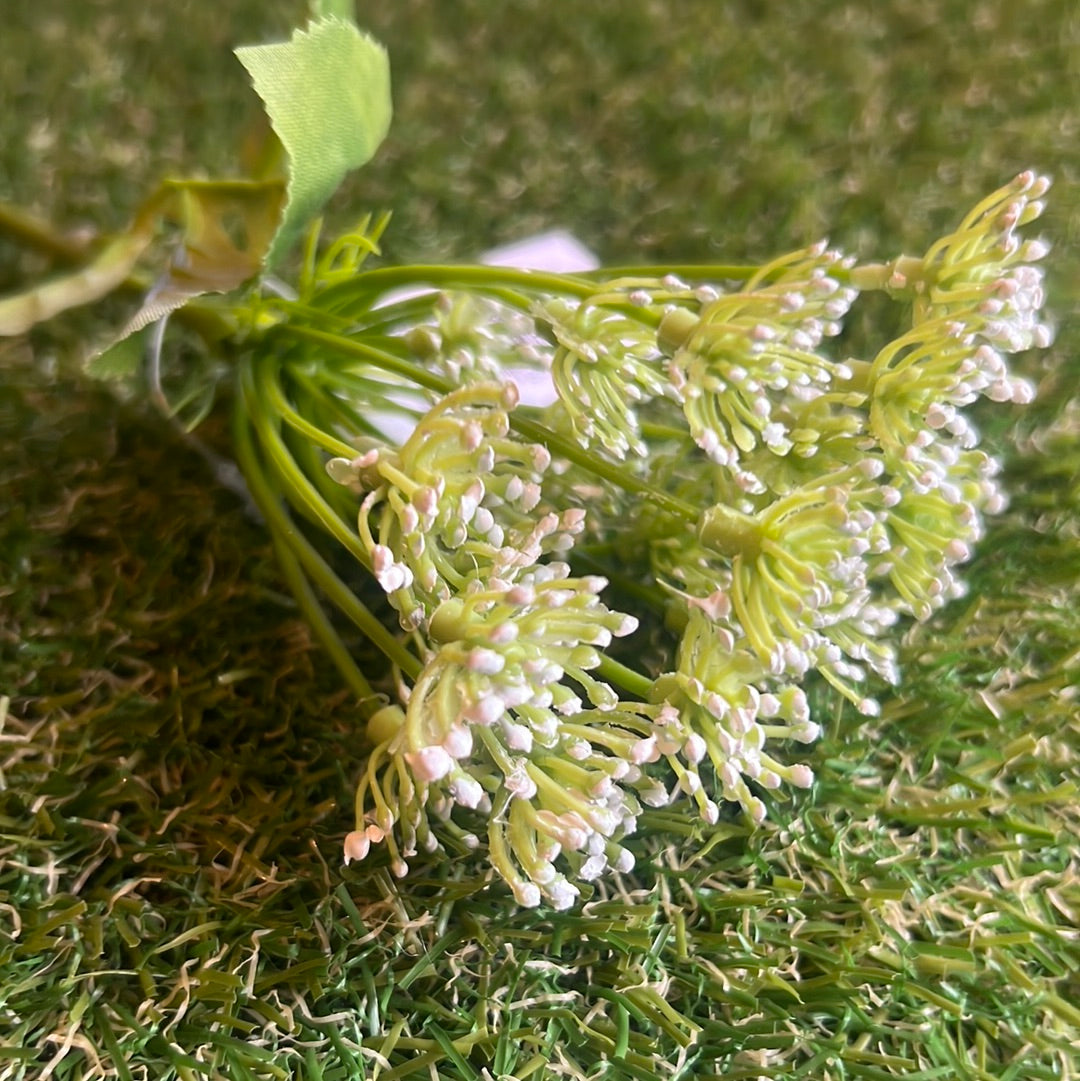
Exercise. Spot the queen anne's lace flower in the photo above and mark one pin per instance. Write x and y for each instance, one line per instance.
(790, 507)
(736, 367)
(460, 492)
(983, 273)
(977, 298)
(798, 573)
(475, 339)
(720, 706)
(606, 365)
(936, 520)
(484, 725)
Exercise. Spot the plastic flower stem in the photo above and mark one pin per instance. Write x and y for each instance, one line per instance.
(379, 320)
(408, 313)
(360, 349)
(293, 572)
(41, 236)
(369, 701)
(36, 233)
(627, 678)
(312, 462)
(693, 272)
(558, 444)
(320, 438)
(602, 558)
(475, 277)
(312, 563)
(616, 472)
(659, 432)
(355, 387)
(299, 309)
(303, 494)
(309, 257)
(334, 408)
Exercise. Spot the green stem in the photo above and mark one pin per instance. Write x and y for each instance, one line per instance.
(730, 532)
(33, 232)
(301, 492)
(333, 409)
(878, 276)
(615, 472)
(323, 629)
(474, 277)
(627, 678)
(292, 569)
(40, 235)
(702, 272)
(379, 358)
(601, 558)
(313, 432)
(313, 564)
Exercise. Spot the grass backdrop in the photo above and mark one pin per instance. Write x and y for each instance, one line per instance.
(177, 758)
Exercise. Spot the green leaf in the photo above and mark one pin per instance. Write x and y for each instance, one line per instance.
(343, 9)
(327, 93)
(120, 361)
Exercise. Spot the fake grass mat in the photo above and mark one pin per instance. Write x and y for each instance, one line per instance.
(177, 757)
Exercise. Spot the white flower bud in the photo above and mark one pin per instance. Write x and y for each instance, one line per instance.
(357, 845)
(429, 763)
(562, 894)
(519, 783)
(458, 741)
(800, 776)
(695, 748)
(485, 661)
(466, 791)
(485, 711)
(527, 894)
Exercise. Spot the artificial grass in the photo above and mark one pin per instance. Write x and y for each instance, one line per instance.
(176, 757)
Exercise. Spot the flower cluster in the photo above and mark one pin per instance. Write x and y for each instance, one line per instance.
(713, 710)
(775, 508)
(983, 273)
(798, 585)
(476, 339)
(492, 719)
(976, 298)
(458, 493)
(745, 366)
(606, 365)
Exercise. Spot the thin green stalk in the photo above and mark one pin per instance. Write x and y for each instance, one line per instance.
(37, 233)
(615, 672)
(335, 410)
(312, 462)
(313, 564)
(589, 556)
(710, 272)
(474, 277)
(720, 272)
(615, 472)
(294, 574)
(362, 350)
(300, 490)
(323, 629)
(300, 424)
(40, 235)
